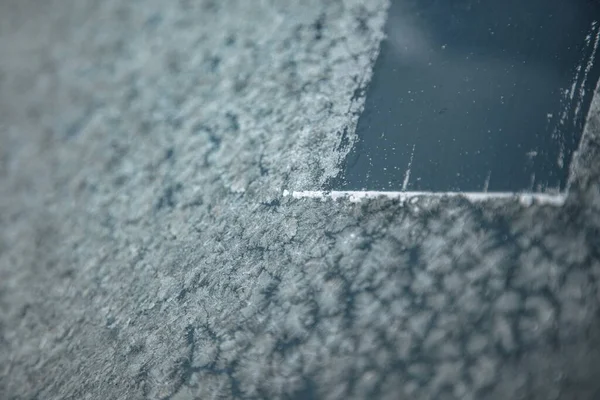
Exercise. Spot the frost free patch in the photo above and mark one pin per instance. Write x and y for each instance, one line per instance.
(477, 96)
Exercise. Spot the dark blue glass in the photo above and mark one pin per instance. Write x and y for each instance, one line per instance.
(477, 95)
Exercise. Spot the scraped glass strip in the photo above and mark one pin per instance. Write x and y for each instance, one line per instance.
(476, 96)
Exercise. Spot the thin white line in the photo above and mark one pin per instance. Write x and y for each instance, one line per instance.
(407, 174)
(486, 184)
(526, 199)
(587, 70)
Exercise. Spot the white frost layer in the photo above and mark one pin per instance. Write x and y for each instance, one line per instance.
(527, 199)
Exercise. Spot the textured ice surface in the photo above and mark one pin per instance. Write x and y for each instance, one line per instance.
(147, 250)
